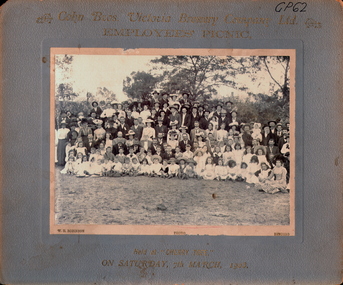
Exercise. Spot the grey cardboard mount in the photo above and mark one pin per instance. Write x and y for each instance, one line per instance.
(29, 254)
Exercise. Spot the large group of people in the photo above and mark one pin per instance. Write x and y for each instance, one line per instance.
(171, 136)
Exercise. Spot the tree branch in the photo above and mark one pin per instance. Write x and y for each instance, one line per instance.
(265, 62)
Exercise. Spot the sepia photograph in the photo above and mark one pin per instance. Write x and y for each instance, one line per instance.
(172, 141)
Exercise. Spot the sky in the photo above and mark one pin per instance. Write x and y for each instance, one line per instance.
(88, 72)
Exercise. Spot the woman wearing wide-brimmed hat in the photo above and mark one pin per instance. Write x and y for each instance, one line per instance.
(96, 108)
(148, 134)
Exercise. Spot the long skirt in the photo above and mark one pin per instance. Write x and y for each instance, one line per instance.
(61, 152)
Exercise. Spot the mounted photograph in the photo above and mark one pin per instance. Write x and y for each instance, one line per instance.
(172, 141)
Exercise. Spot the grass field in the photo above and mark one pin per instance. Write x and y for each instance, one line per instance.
(152, 201)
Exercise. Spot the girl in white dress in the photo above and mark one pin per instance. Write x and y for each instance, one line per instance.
(209, 172)
(253, 167)
(221, 170)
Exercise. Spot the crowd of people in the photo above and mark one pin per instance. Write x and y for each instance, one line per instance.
(171, 136)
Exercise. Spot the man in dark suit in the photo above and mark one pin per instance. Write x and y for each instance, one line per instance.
(129, 119)
(137, 129)
(223, 119)
(246, 136)
(196, 131)
(271, 151)
(160, 128)
(184, 141)
(194, 117)
(185, 117)
(123, 127)
(154, 146)
(205, 120)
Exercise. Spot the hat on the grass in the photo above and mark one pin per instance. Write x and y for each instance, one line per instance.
(156, 157)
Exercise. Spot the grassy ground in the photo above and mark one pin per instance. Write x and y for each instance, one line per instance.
(149, 201)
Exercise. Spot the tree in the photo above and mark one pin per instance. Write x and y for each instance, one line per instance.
(139, 85)
(277, 68)
(197, 75)
(65, 92)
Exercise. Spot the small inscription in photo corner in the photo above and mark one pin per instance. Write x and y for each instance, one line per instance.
(281, 234)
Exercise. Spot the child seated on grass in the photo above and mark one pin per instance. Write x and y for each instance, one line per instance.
(242, 172)
(209, 172)
(221, 170)
(145, 168)
(173, 168)
(232, 170)
(135, 167)
(182, 167)
(164, 169)
(156, 166)
(126, 168)
(83, 169)
(69, 167)
(190, 169)
(117, 168)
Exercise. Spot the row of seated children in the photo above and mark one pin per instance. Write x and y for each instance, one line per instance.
(253, 172)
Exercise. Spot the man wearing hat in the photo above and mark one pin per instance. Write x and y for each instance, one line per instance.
(205, 120)
(229, 109)
(271, 151)
(164, 99)
(157, 108)
(223, 119)
(96, 108)
(218, 110)
(160, 128)
(185, 117)
(279, 133)
(110, 128)
(175, 116)
(201, 111)
(72, 134)
(123, 127)
(129, 119)
(246, 136)
(185, 100)
(196, 131)
(194, 117)
(272, 126)
(137, 129)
